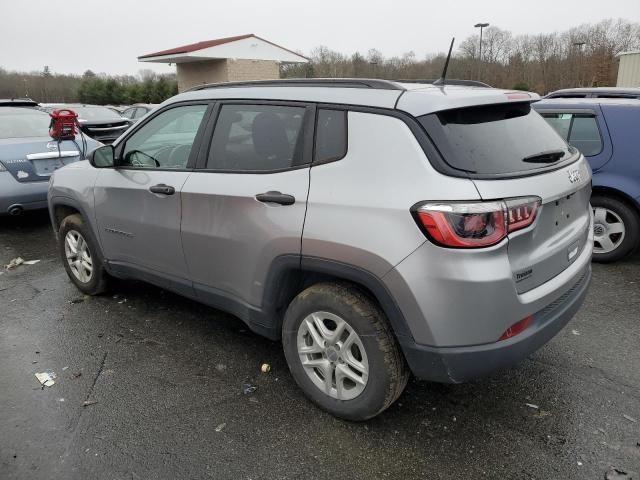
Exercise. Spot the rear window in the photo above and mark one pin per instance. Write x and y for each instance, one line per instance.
(94, 113)
(496, 139)
(257, 138)
(30, 123)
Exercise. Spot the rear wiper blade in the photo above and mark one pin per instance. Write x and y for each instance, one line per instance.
(545, 157)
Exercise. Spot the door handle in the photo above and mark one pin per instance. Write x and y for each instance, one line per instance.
(163, 189)
(276, 197)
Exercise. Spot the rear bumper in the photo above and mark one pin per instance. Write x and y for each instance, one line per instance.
(28, 195)
(461, 364)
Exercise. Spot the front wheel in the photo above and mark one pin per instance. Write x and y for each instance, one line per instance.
(342, 352)
(80, 256)
(616, 229)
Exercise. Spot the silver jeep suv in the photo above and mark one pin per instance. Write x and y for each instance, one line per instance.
(377, 228)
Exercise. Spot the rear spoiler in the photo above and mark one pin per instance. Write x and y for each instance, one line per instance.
(431, 99)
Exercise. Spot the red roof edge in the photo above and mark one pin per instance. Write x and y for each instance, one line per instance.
(212, 43)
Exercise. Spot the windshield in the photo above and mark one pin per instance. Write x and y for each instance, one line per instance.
(496, 139)
(26, 123)
(95, 113)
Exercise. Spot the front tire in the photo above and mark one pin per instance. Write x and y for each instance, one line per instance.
(341, 351)
(80, 256)
(616, 229)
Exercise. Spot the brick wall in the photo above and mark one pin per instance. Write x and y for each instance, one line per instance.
(240, 70)
(191, 74)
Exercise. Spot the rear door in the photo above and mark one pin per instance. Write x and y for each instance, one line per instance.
(138, 203)
(245, 204)
(510, 151)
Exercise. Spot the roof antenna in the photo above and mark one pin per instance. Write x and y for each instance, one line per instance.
(441, 80)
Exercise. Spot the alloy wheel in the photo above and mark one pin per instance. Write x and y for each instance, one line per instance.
(332, 355)
(78, 256)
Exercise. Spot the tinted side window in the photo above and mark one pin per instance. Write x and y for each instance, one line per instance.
(561, 122)
(585, 135)
(615, 95)
(331, 135)
(257, 138)
(166, 140)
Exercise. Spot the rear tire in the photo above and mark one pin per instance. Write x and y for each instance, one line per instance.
(80, 256)
(616, 229)
(366, 369)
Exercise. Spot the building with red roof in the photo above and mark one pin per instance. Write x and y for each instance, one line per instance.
(230, 59)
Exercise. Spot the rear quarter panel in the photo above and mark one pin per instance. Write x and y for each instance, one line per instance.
(359, 207)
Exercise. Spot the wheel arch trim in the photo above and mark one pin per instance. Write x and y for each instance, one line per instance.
(64, 201)
(287, 271)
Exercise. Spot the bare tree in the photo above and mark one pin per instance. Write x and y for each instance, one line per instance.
(581, 56)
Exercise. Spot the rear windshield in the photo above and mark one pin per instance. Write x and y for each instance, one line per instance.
(496, 139)
(23, 124)
(95, 113)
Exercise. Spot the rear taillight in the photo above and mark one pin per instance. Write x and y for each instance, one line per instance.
(477, 224)
(521, 212)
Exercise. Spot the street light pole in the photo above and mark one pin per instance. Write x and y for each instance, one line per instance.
(580, 74)
(481, 26)
(374, 64)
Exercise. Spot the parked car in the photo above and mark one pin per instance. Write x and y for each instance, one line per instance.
(28, 157)
(605, 131)
(377, 228)
(96, 121)
(18, 102)
(137, 111)
(596, 92)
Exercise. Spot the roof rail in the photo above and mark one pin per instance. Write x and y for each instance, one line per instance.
(449, 81)
(308, 82)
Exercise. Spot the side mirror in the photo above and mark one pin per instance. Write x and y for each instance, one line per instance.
(102, 157)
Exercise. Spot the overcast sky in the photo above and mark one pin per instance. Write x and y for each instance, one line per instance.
(72, 36)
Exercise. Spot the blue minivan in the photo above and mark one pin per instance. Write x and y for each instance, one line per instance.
(607, 132)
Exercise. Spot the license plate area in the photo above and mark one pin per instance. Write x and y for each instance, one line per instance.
(566, 209)
(559, 237)
(45, 167)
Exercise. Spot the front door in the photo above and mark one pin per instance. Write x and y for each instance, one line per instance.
(246, 206)
(138, 203)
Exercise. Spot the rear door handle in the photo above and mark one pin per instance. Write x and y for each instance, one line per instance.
(163, 189)
(276, 197)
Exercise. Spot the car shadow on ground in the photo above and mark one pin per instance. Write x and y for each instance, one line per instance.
(519, 399)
